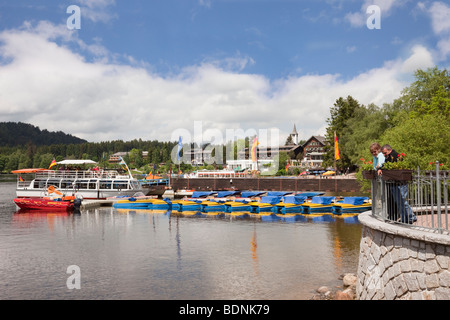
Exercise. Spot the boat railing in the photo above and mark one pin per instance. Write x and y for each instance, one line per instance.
(421, 202)
(81, 174)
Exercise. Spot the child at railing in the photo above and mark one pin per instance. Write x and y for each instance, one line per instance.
(378, 157)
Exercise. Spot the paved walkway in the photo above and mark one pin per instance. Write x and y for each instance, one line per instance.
(432, 221)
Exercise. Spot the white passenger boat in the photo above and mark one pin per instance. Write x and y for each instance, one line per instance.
(92, 183)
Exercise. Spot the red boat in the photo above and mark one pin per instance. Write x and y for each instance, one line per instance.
(44, 204)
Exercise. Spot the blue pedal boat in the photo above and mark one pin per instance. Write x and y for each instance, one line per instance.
(133, 203)
(265, 204)
(243, 203)
(161, 204)
(217, 204)
(290, 204)
(352, 205)
(318, 204)
(194, 203)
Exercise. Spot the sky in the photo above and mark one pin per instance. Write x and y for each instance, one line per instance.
(150, 69)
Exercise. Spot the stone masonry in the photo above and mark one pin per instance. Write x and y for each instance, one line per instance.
(400, 262)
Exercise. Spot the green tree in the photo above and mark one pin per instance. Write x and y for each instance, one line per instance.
(340, 113)
(366, 126)
(427, 84)
(423, 140)
(421, 127)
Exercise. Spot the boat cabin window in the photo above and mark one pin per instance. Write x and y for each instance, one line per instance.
(51, 182)
(66, 184)
(106, 184)
(82, 184)
(120, 185)
(134, 184)
(39, 184)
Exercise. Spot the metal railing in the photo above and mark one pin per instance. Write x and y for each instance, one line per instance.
(421, 202)
(81, 174)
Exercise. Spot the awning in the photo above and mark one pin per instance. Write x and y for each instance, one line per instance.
(277, 193)
(322, 200)
(76, 162)
(355, 200)
(201, 194)
(153, 177)
(31, 170)
(249, 194)
(294, 199)
(223, 194)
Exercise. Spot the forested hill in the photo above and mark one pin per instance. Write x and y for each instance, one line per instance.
(19, 133)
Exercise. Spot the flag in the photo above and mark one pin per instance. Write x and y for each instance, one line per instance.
(53, 163)
(123, 165)
(21, 179)
(337, 155)
(180, 146)
(255, 144)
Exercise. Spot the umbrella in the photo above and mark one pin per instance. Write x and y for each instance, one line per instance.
(304, 172)
(328, 173)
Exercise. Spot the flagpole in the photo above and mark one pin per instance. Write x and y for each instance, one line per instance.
(180, 147)
(337, 156)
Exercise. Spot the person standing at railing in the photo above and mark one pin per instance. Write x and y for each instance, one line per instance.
(399, 189)
(378, 157)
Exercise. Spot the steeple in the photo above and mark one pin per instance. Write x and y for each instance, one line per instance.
(294, 135)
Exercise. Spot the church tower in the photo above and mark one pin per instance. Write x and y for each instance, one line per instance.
(294, 135)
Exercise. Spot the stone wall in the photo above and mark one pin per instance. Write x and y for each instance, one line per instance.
(401, 262)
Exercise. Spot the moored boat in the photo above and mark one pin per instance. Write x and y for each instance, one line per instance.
(52, 200)
(244, 202)
(44, 204)
(131, 203)
(266, 204)
(194, 203)
(318, 204)
(88, 183)
(290, 204)
(218, 203)
(352, 205)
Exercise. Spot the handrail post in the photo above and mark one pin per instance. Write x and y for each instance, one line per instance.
(438, 197)
(374, 196)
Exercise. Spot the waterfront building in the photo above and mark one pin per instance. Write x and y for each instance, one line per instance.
(118, 156)
(313, 152)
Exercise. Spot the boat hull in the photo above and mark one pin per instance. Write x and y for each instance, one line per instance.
(44, 204)
(85, 194)
(348, 208)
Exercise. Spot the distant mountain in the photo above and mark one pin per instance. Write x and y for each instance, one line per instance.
(18, 133)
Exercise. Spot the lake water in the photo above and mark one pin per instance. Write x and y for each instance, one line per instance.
(141, 254)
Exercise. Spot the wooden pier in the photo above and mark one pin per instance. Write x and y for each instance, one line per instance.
(92, 204)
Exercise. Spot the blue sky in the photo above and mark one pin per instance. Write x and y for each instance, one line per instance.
(145, 68)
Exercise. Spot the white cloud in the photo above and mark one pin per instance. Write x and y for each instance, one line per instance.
(440, 17)
(97, 10)
(439, 14)
(356, 19)
(55, 88)
(205, 3)
(444, 48)
(420, 58)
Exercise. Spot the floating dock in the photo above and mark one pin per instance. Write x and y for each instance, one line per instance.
(92, 204)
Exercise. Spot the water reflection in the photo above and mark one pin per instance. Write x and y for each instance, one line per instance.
(145, 254)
